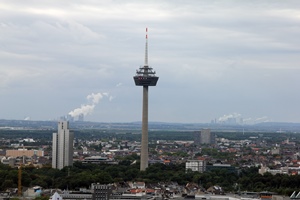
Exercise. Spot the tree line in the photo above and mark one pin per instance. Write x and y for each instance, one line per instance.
(82, 175)
(45, 136)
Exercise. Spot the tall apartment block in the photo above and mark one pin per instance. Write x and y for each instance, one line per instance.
(62, 146)
(205, 136)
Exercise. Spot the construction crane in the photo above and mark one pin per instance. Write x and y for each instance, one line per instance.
(20, 174)
(20, 180)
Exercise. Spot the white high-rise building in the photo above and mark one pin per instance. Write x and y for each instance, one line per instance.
(62, 146)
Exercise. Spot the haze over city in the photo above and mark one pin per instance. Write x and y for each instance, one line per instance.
(214, 59)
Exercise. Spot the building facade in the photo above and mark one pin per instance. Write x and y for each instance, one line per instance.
(24, 152)
(101, 192)
(8, 161)
(205, 136)
(62, 146)
(195, 165)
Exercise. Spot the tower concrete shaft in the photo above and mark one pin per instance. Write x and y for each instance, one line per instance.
(145, 76)
(144, 149)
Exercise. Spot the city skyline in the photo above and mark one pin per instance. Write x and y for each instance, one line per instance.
(218, 60)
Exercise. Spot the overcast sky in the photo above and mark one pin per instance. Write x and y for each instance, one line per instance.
(214, 59)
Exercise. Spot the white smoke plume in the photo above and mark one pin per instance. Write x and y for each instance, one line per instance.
(88, 108)
(248, 119)
(226, 117)
(27, 118)
(95, 98)
(236, 118)
(262, 119)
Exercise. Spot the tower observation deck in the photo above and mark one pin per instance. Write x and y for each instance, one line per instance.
(145, 76)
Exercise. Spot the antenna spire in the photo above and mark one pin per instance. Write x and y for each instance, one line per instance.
(146, 49)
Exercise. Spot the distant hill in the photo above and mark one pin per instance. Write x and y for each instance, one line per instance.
(52, 125)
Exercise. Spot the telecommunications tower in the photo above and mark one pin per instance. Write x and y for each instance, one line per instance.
(145, 76)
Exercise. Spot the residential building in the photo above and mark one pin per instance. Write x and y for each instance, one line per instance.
(205, 136)
(101, 192)
(56, 196)
(33, 192)
(24, 152)
(196, 165)
(282, 170)
(62, 146)
(197, 136)
(98, 160)
(8, 161)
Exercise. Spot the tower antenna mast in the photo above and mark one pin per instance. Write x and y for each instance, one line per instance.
(146, 49)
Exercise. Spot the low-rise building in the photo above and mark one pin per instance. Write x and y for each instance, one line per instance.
(8, 161)
(98, 160)
(195, 165)
(24, 152)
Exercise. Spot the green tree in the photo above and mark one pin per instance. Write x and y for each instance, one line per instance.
(42, 198)
(8, 184)
(103, 178)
